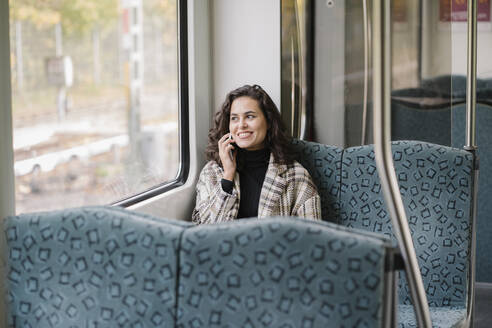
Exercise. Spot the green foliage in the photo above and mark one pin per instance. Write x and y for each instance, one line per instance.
(76, 16)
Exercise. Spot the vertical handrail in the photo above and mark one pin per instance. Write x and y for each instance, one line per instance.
(300, 28)
(470, 142)
(471, 81)
(367, 34)
(384, 162)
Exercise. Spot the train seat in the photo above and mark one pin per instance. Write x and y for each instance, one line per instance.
(283, 272)
(104, 266)
(428, 123)
(484, 206)
(323, 163)
(436, 187)
(91, 267)
(441, 316)
(420, 114)
(416, 114)
(424, 113)
(449, 86)
(454, 86)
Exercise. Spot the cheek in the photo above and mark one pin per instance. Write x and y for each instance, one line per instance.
(264, 129)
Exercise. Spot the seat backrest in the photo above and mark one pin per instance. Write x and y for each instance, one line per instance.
(281, 272)
(323, 164)
(484, 205)
(432, 124)
(107, 267)
(436, 186)
(91, 267)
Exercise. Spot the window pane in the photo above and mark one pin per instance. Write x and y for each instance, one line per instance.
(95, 100)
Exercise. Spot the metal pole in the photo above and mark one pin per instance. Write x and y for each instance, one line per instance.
(384, 162)
(471, 82)
(367, 34)
(470, 142)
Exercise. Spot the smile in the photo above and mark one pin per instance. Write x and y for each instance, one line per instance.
(244, 135)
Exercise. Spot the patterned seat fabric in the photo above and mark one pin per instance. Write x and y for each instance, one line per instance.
(436, 186)
(323, 163)
(484, 205)
(280, 272)
(107, 267)
(91, 267)
(441, 317)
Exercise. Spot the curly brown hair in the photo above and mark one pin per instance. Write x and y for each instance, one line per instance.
(277, 139)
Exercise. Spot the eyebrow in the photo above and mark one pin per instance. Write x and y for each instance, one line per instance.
(245, 113)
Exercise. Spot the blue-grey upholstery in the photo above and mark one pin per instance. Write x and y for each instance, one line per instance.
(442, 316)
(454, 86)
(448, 86)
(416, 93)
(280, 273)
(108, 267)
(435, 183)
(91, 267)
(421, 114)
(484, 210)
(101, 266)
(409, 122)
(446, 125)
(415, 115)
(323, 163)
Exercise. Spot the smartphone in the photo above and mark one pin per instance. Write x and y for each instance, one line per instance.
(231, 153)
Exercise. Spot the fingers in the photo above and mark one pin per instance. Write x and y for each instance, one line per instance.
(225, 141)
(225, 148)
(229, 147)
(224, 137)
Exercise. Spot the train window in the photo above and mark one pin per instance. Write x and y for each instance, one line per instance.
(96, 100)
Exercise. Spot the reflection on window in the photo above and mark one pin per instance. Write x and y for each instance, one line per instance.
(95, 100)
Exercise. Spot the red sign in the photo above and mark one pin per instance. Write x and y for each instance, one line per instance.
(455, 10)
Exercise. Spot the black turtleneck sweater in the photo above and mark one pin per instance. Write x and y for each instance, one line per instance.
(252, 167)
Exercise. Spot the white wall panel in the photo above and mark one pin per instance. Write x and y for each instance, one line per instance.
(246, 46)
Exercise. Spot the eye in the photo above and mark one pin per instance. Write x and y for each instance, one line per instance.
(233, 118)
(250, 116)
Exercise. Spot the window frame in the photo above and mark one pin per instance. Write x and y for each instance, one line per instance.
(183, 107)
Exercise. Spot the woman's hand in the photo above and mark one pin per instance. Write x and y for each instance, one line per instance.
(228, 163)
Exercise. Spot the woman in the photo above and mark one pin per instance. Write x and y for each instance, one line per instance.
(251, 172)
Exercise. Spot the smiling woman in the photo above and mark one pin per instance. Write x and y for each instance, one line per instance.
(249, 127)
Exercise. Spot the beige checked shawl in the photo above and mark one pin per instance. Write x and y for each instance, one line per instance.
(288, 190)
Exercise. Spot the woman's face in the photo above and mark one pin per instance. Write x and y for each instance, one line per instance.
(247, 124)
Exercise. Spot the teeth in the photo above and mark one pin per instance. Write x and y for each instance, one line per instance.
(244, 134)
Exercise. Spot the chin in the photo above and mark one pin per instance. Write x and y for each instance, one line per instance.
(243, 146)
